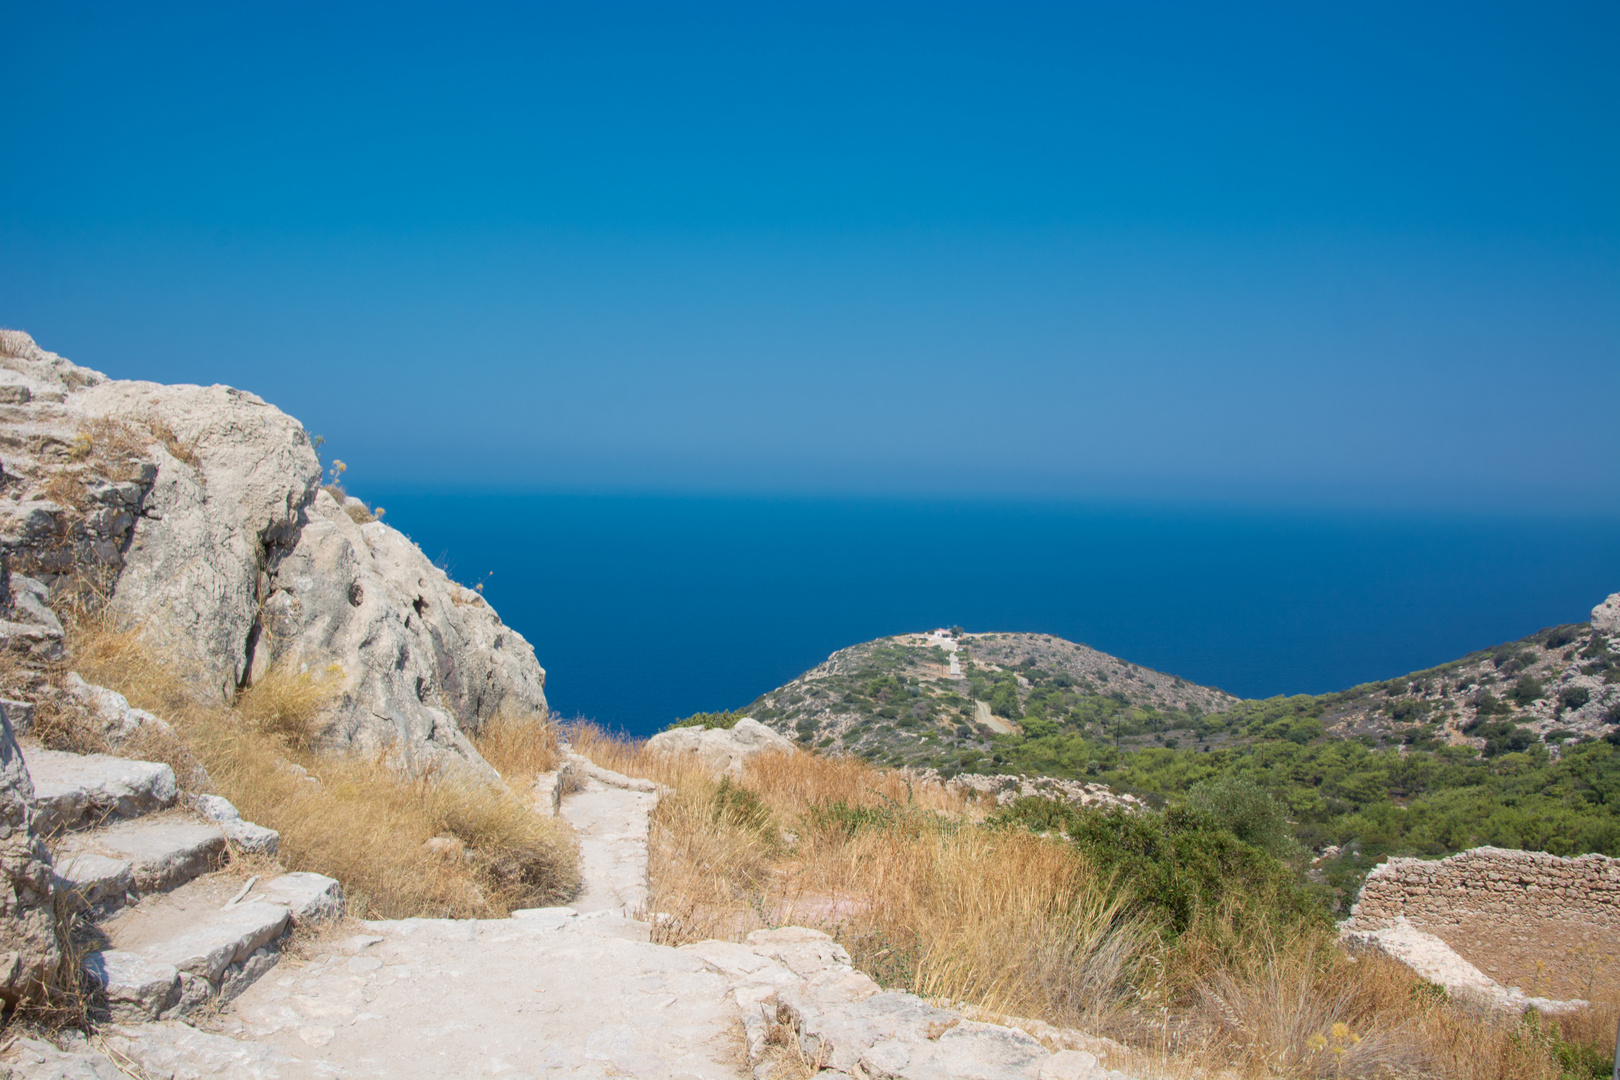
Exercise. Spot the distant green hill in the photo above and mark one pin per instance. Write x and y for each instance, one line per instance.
(896, 701)
(1517, 745)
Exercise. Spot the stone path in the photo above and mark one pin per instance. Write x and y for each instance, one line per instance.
(609, 813)
(573, 991)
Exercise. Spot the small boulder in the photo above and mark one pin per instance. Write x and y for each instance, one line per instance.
(242, 835)
(722, 750)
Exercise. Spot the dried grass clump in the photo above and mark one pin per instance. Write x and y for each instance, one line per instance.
(290, 706)
(520, 747)
(365, 820)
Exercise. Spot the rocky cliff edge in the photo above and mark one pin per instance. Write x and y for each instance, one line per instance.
(199, 511)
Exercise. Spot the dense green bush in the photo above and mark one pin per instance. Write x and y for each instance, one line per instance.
(1526, 690)
(1178, 864)
(1249, 811)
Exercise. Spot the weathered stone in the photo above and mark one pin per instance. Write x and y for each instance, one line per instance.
(218, 940)
(1069, 1065)
(1443, 892)
(181, 1052)
(722, 750)
(242, 835)
(309, 897)
(132, 987)
(413, 646)
(203, 508)
(1606, 616)
(21, 713)
(162, 852)
(30, 951)
(89, 879)
(78, 791)
(36, 1059)
(117, 719)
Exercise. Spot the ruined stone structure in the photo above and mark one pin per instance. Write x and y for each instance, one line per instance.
(1490, 881)
(1538, 926)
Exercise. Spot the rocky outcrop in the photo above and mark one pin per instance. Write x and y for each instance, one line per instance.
(722, 751)
(1606, 616)
(423, 658)
(1003, 789)
(199, 511)
(30, 952)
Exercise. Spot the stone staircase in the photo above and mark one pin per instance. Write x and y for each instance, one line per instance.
(168, 926)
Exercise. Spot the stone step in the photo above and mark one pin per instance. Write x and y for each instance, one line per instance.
(83, 791)
(146, 855)
(178, 951)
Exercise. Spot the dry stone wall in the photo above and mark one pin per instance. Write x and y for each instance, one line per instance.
(1494, 883)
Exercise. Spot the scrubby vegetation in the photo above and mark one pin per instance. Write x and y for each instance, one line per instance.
(1370, 801)
(1189, 934)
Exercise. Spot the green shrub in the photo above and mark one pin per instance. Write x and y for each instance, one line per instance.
(1179, 865)
(1559, 636)
(1527, 689)
(1573, 697)
(1504, 737)
(709, 720)
(1248, 811)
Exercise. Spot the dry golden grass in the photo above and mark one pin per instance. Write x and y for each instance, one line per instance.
(1019, 925)
(362, 820)
(289, 706)
(519, 747)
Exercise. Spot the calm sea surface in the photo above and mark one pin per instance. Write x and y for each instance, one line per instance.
(643, 609)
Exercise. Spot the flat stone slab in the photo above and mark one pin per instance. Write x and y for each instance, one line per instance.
(307, 897)
(131, 986)
(537, 996)
(177, 1050)
(198, 931)
(610, 823)
(81, 791)
(162, 852)
(94, 880)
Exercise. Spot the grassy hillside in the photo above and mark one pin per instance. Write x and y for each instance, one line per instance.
(1518, 745)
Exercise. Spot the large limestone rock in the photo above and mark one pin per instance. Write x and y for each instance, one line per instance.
(722, 750)
(30, 952)
(202, 510)
(422, 657)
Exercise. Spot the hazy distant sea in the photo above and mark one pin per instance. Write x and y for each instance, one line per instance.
(643, 609)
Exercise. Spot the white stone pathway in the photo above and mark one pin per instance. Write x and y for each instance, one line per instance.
(609, 814)
(568, 992)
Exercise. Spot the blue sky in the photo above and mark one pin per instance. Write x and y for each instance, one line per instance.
(1342, 255)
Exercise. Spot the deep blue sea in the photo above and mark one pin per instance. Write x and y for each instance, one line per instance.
(645, 608)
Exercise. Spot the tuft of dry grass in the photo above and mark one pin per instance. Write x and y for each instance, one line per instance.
(365, 820)
(520, 747)
(290, 706)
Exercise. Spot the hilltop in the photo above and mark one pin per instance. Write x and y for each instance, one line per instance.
(943, 699)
